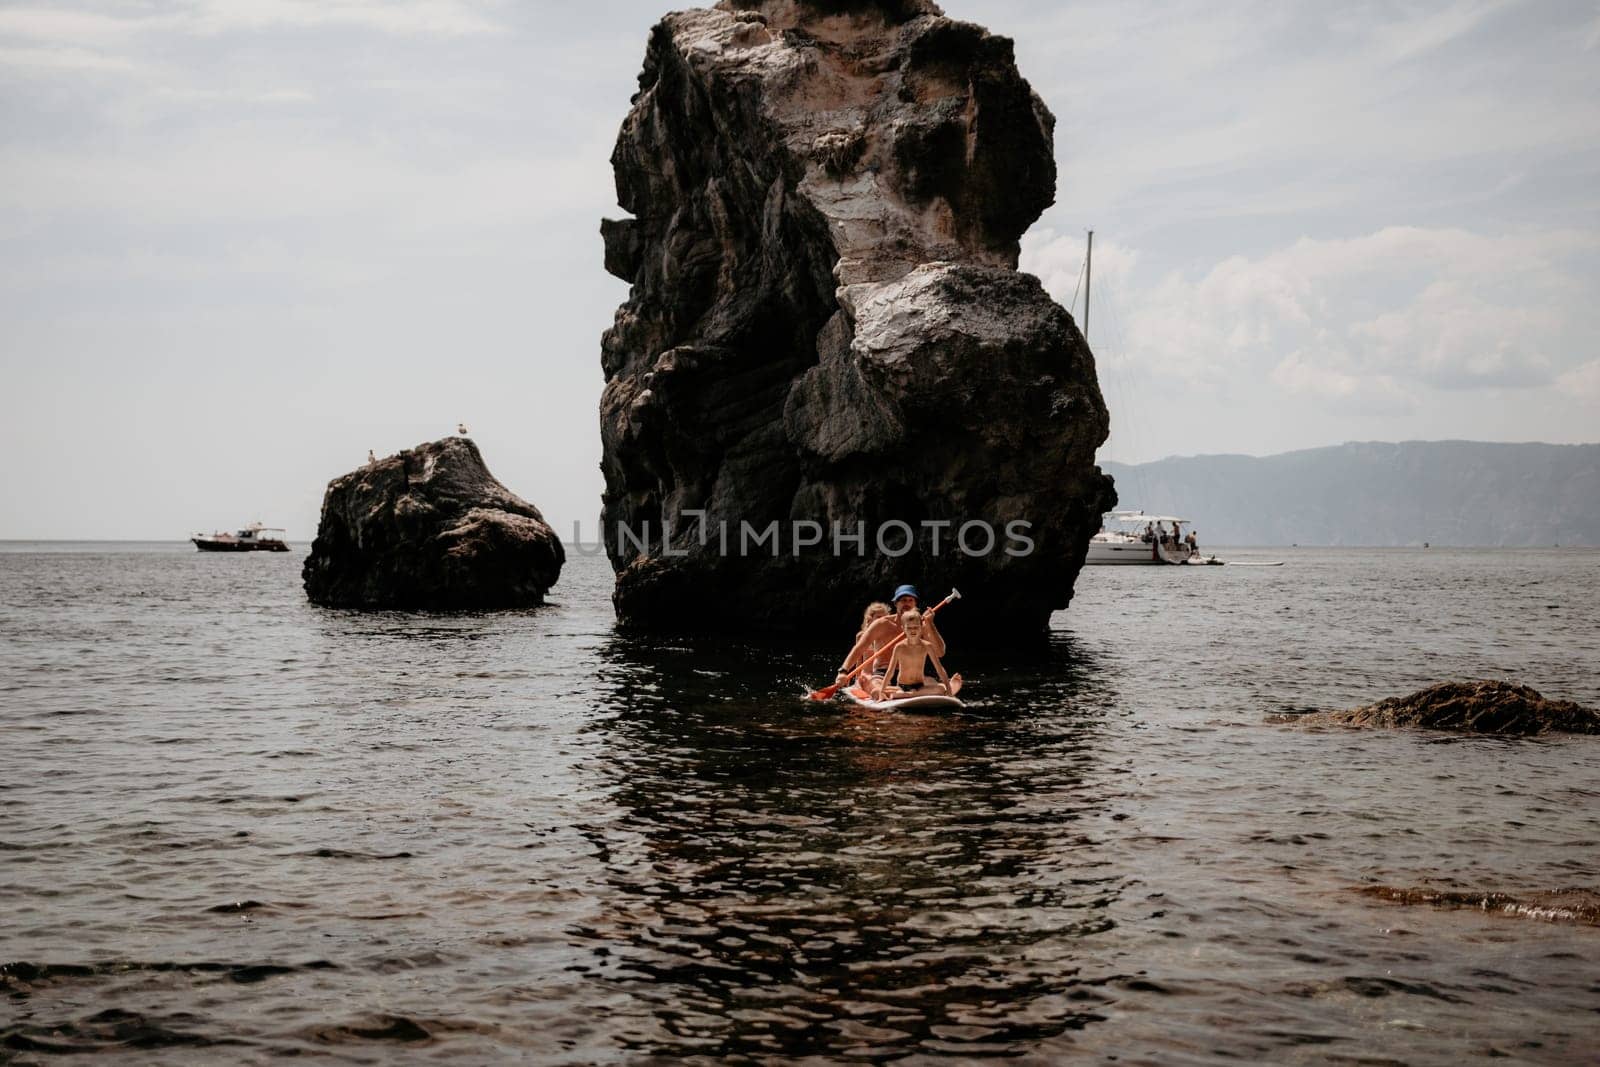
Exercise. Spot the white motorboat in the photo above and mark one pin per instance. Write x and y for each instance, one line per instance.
(1132, 537)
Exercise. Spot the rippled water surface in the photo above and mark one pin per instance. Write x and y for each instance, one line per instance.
(233, 825)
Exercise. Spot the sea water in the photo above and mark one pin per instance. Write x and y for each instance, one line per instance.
(234, 825)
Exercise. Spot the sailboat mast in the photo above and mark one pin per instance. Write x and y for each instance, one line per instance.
(1088, 283)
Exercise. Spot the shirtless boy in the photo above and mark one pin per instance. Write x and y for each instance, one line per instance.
(906, 662)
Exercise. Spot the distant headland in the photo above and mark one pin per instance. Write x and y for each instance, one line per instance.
(1378, 494)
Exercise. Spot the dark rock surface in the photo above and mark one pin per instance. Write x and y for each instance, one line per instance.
(826, 324)
(430, 528)
(1553, 905)
(1479, 707)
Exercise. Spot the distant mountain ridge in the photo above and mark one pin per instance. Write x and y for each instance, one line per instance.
(1379, 494)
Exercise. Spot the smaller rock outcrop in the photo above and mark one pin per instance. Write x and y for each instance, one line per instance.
(1551, 905)
(430, 528)
(1478, 707)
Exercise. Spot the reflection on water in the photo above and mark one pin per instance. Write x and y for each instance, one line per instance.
(813, 879)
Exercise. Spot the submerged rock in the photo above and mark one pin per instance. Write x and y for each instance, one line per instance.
(1559, 905)
(1484, 707)
(430, 528)
(826, 329)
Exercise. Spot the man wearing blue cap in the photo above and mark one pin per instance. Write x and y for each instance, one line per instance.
(881, 632)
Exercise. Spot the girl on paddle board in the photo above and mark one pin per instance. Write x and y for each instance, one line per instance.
(875, 611)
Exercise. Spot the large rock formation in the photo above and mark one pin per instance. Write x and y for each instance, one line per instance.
(827, 326)
(1485, 707)
(430, 528)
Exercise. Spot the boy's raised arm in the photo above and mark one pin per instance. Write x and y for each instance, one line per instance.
(930, 633)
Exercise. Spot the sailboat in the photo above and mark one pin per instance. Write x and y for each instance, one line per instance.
(1132, 537)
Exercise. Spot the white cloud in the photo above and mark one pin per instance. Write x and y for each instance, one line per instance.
(1179, 112)
(69, 27)
(421, 17)
(209, 17)
(1453, 337)
(54, 59)
(1365, 322)
(196, 95)
(1056, 259)
(1582, 382)
(244, 261)
(1424, 31)
(1315, 375)
(249, 176)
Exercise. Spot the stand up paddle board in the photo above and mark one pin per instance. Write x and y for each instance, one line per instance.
(938, 703)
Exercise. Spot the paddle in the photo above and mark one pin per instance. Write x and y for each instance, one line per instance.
(827, 691)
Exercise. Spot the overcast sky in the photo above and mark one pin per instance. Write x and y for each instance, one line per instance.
(242, 242)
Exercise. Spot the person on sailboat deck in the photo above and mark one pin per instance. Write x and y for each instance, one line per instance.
(1149, 534)
(1192, 542)
(873, 636)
